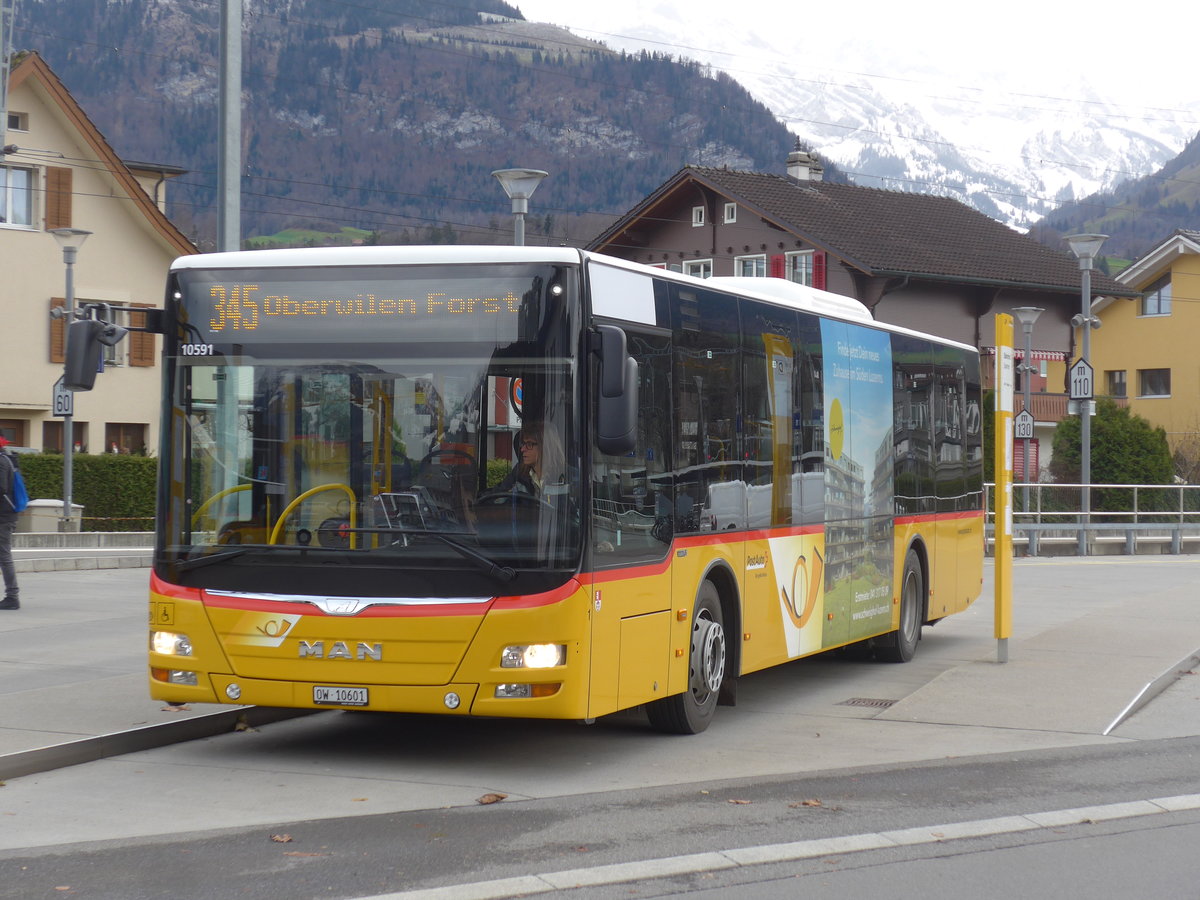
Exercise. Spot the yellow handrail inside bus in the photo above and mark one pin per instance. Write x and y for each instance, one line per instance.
(310, 492)
(214, 498)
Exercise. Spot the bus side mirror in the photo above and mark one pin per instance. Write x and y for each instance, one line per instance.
(617, 403)
(84, 340)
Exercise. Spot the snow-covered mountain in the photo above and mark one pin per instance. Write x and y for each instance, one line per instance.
(1014, 156)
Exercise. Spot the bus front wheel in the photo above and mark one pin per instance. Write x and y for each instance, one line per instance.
(900, 645)
(691, 711)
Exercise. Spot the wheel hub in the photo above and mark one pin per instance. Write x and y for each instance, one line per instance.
(708, 654)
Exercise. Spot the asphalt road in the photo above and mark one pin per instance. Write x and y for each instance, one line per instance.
(350, 805)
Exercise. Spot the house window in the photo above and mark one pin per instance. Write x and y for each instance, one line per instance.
(16, 196)
(800, 267)
(18, 121)
(13, 431)
(730, 213)
(1116, 383)
(52, 436)
(1156, 301)
(697, 216)
(125, 437)
(698, 268)
(751, 266)
(1154, 382)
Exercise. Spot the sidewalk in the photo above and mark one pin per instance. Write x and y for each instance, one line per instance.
(1094, 639)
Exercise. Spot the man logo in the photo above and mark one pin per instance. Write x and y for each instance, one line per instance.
(339, 650)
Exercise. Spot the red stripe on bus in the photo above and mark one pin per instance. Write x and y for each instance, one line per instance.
(939, 517)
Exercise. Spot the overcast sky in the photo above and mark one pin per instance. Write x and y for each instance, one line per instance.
(1138, 55)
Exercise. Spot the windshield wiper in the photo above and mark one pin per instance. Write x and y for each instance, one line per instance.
(451, 539)
(485, 563)
(196, 562)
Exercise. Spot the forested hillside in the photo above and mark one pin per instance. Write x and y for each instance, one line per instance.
(389, 115)
(1138, 215)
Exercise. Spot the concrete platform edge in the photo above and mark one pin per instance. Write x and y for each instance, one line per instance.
(44, 759)
(1154, 688)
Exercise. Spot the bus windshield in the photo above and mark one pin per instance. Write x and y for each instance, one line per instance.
(414, 424)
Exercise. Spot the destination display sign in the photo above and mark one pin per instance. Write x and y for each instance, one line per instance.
(237, 306)
(223, 309)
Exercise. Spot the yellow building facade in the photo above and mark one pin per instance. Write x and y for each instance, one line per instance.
(1146, 349)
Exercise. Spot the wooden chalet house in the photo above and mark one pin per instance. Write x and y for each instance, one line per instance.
(922, 261)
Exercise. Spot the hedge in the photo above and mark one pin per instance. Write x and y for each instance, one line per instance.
(116, 491)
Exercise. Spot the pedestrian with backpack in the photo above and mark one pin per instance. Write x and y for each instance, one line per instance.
(9, 511)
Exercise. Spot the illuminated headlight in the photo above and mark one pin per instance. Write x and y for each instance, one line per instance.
(170, 644)
(533, 656)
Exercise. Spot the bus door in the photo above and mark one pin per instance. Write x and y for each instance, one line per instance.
(776, 583)
(632, 531)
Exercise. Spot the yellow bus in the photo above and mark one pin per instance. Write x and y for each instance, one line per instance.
(539, 482)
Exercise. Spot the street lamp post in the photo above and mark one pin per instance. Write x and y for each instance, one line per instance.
(1027, 315)
(1085, 247)
(519, 184)
(70, 239)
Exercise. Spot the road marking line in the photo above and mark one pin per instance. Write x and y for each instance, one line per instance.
(791, 852)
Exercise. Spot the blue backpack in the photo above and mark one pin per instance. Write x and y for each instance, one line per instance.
(18, 496)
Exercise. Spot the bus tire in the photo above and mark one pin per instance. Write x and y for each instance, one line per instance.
(900, 645)
(691, 711)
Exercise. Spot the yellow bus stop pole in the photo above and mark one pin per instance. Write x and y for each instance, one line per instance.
(1002, 497)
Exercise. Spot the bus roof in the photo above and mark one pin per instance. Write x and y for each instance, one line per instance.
(376, 256)
(775, 290)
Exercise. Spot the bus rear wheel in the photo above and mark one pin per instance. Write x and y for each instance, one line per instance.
(691, 711)
(901, 645)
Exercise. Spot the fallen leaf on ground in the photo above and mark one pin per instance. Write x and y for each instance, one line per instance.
(741, 802)
(491, 798)
(813, 802)
(281, 838)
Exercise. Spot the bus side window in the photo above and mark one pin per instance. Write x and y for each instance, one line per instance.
(709, 470)
(631, 495)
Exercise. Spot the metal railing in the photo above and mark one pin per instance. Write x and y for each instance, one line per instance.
(1129, 518)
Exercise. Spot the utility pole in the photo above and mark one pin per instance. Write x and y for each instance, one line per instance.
(8, 14)
(229, 129)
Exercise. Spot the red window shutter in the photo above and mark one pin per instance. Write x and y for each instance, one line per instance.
(59, 182)
(778, 266)
(58, 333)
(141, 343)
(819, 269)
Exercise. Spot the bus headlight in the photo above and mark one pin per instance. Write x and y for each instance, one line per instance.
(533, 656)
(170, 644)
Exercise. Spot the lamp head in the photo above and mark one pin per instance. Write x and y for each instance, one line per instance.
(1085, 247)
(70, 238)
(519, 184)
(1027, 315)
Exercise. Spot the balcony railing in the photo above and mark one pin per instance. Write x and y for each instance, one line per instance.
(1049, 518)
(1051, 407)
